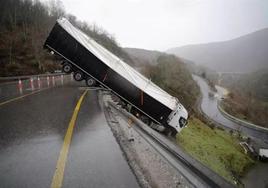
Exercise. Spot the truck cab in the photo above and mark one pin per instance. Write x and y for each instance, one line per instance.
(178, 118)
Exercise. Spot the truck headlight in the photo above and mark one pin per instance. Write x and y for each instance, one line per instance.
(182, 122)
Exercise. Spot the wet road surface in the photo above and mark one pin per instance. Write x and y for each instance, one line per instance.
(11, 90)
(209, 107)
(32, 134)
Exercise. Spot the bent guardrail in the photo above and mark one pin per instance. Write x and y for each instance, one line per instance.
(198, 170)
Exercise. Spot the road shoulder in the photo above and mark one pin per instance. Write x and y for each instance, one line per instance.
(151, 169)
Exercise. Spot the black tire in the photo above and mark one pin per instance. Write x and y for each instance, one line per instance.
(90, 82)
(173, 132)
(170, 132)
(145, 120)
(78, 76)
(67, 68)
(134, 111)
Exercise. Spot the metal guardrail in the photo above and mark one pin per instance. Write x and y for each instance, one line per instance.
(207, 176)
(12, 78)
(240, 121)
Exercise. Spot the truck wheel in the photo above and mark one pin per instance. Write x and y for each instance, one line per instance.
(90, 82)
(173, 132)
(78, 76)
(170, 132)
(67, 68)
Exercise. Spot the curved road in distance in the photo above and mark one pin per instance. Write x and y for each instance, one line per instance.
(33, 124)
(209, 107)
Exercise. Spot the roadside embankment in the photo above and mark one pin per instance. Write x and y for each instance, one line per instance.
(150, 168)
(198, 174)
(216, 149)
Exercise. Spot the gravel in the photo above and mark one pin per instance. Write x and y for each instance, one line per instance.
(150, 168)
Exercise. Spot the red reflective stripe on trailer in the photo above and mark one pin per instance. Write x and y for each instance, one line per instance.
(141, 97)
(104, 77)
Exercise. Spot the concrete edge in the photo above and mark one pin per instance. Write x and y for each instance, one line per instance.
(205, 170)
(239, 121)
(141, 179)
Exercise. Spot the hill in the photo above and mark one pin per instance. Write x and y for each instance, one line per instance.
(24, 26)
(142, 56)
(254, 84)
(244, 54)
(248, 98)
(168, 72)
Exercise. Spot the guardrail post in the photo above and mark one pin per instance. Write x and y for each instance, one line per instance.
(47, 81)
(53, 81)
(61, 79)
(20, 86)
(32, 84)
(39, 83)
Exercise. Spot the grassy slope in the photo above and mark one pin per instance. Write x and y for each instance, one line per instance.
(214, 148)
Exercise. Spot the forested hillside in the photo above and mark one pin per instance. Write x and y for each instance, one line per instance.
(169, 72)
(142, 56)
(24, 26)
(248, 97)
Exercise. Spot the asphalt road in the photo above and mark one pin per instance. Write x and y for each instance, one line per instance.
(33, 136)
(209, 107)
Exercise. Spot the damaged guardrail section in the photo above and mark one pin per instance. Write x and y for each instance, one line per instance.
(198, 174)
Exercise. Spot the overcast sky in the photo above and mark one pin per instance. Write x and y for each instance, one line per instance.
(163, 24)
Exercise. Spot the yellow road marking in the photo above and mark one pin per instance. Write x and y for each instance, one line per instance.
(17, 98)
(59, 172)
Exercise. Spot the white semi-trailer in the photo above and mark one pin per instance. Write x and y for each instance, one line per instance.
(96, 65)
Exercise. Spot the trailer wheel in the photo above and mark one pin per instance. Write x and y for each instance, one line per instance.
(90, 82)
(145, 120)
(67, 68)
(78, 76)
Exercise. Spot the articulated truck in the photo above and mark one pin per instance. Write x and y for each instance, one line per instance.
(90, 61)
